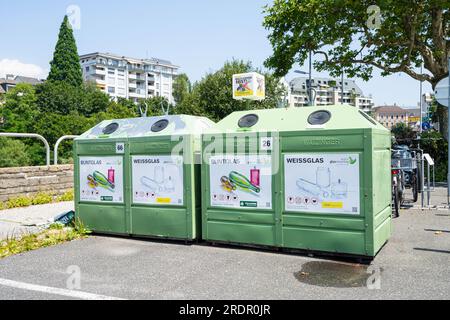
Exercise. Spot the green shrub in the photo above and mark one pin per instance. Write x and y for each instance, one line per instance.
(42, 198)
(13, 153)
(18, 202)
(67, 196)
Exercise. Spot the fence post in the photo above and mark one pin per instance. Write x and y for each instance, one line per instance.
(30, 135)
(55, 156)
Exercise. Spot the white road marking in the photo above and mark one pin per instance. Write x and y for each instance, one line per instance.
(57, 291)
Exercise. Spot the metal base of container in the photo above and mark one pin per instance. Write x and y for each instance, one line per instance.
(302, 252)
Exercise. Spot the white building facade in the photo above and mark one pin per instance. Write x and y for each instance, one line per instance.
(327, 91)
(130, 78)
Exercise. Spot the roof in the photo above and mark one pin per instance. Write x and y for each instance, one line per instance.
(22, 79)
(389, 109)
(130, 59)
(141, 127)
(296, 119)
(298, 83)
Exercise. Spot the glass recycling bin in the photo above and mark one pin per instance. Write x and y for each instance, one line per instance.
(141, 176)
(315, 179)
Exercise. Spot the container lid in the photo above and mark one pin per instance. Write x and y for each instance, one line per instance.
(149, 126)
(298, 119)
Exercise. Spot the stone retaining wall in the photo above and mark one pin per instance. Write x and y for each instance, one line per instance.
(28, 181)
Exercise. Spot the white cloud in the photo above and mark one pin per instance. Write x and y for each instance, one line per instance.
(15, 67)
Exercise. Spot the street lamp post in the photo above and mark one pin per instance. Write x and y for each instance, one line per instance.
(448, 139)
(309, 87)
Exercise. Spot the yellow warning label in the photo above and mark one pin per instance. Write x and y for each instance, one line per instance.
(332, 205)
(243, 93)
(163, 200)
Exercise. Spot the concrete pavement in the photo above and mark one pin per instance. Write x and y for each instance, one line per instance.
(17, 221)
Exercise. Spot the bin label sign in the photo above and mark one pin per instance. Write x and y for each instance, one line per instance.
(322, 183)
(158, 180)
(241, 181)
(101, 179)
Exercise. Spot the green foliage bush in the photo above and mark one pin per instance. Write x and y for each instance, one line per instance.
(18, 202)
(13, 153)
(67, 196)
(40, 198)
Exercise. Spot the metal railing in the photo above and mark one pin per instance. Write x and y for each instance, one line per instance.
(55, 156)
(30, 135)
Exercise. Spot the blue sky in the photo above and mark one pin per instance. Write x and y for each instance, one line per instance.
(197, 35)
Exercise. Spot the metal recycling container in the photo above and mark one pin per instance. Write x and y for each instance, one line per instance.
(141, 176)
(315, 179)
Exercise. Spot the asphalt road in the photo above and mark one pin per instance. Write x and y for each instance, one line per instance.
(415, 264)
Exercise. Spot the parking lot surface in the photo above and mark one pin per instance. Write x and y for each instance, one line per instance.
(414, 264)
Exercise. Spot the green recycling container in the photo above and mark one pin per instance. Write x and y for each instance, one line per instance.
(141, 176)
(312, 178)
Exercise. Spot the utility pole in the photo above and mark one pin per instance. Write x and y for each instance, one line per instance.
(310, 79)
(342, 87)
(448, 138)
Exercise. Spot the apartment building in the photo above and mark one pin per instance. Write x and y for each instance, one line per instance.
(327, 91)
(130, 78)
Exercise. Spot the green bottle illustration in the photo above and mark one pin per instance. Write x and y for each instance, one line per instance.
(241, 181)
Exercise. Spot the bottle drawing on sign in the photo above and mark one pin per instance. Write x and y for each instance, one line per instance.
(323, 177)
(170, 186)
(339, 190)
(111, 175)
(159, 176)
(255, 175)
(308, 187)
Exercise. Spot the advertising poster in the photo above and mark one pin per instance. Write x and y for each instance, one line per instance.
(157, 180)
(241, 181)
(249, 86)
(322, 183)
(101, 179)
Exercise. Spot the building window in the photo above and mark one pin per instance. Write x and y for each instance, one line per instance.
(87, 69)
(111, 90)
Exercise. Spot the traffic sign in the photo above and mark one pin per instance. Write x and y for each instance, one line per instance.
(426, 126)
(441, 92)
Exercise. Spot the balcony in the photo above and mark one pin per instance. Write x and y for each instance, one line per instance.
(136, 67)
(98, 71)
(139, 93)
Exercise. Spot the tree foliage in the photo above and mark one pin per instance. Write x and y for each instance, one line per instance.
(65, 65)
(19, 110)
(13, 153)
(181, 88)
(62, 98)
(403, 132)
(434, 144)
(347, 36)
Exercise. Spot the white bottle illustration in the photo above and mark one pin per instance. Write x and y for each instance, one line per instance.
(339, 189)
(308, 187)
(169, 186)
(323, 177)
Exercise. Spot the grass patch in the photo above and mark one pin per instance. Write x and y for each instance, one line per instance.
(40, 198)
(55, 234)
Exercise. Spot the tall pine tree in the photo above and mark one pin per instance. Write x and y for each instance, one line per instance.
(65, 65)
